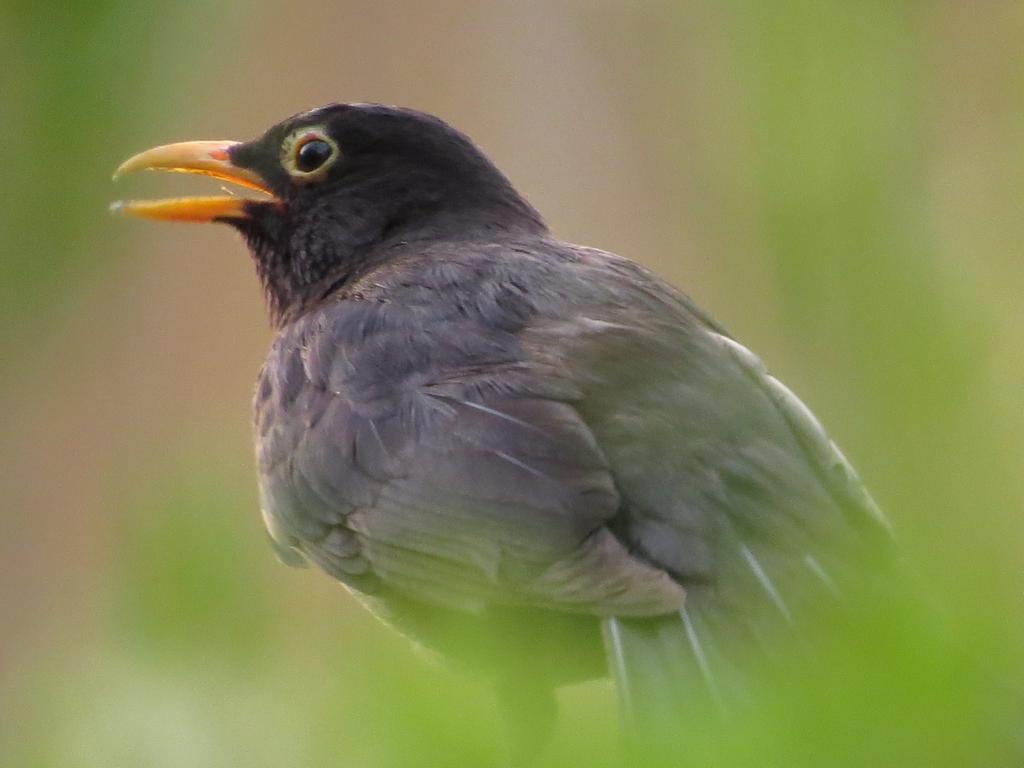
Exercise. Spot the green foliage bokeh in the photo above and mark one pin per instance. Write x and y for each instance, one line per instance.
(205, 655)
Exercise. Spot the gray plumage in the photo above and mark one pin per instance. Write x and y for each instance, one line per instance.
(536, 425)
(509, 446)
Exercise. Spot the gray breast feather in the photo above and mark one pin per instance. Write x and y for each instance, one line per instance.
(437, 482)
(580, 437)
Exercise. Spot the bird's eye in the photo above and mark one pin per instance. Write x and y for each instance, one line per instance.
(307, 154)
(312, 154)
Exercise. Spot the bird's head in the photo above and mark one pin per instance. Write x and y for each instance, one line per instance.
(341, 184)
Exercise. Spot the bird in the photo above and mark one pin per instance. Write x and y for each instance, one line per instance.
(536, 458)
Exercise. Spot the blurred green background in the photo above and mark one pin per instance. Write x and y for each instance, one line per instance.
(841, 184)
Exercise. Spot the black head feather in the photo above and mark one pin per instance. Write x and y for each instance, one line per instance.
(397, 176)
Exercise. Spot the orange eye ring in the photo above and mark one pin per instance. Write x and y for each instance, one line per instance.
(307, 154)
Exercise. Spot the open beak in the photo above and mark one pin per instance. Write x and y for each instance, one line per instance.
(208, 158)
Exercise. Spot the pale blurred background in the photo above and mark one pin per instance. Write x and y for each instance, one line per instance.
(840, 184)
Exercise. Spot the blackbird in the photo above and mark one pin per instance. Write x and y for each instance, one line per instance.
(537, 458)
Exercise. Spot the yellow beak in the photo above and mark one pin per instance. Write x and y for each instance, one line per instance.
(208, 158)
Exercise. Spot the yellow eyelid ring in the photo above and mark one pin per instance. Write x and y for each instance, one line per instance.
(321, 151)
